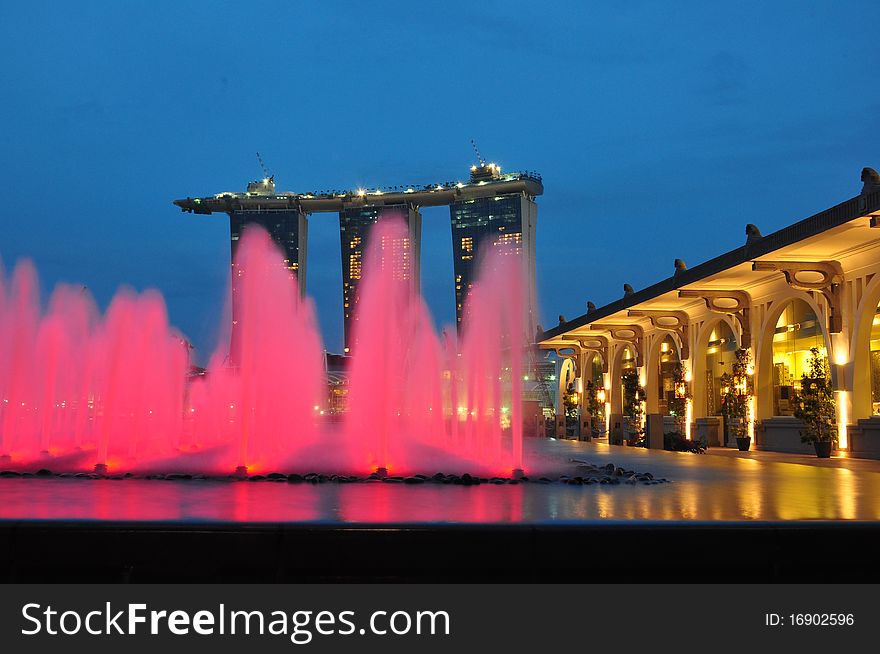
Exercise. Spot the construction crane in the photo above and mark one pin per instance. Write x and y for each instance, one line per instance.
(266, 174)
(266, 186)
(477, 152)
(484, 171)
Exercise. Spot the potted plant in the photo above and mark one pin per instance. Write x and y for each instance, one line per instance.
(815, 406)
(593, 408)
(570, 404)
(633, 396)
(736, 396)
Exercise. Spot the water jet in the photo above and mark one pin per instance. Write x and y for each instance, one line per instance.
(120, 386)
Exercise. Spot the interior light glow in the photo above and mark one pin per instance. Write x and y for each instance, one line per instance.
(842, 418)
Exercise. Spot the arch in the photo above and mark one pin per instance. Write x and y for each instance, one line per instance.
(699, 389)
(764, 348)
(588, 372)
(859, 354)
(616, 400)
(590, 354)
(567, 375)
(592, 378)
(652, 377)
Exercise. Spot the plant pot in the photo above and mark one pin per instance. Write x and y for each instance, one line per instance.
(744, 443)
(823, 449)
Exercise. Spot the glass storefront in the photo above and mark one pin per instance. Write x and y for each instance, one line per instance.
(627, 362)
(594, 383)
(875, 363)
(720, 355)
(594, 372)
(668, 364)
(797, 330)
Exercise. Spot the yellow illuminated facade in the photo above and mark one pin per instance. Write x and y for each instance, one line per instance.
(874, 349)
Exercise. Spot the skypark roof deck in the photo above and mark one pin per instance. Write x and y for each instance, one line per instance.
(431, 195)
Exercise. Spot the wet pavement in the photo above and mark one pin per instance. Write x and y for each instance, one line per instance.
(721, 485)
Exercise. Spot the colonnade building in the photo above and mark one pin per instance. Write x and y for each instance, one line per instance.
(491, 205)
(813, 284)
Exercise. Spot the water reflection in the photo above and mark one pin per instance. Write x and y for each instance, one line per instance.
(719, 489)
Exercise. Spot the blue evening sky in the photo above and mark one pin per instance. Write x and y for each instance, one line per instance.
(660, 128)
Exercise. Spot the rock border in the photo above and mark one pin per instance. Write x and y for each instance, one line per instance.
(589, 474)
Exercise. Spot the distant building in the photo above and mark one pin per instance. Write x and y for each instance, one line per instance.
(489, 205)
(509, 219)
(355, 224)
(288, 228)
(336, 368)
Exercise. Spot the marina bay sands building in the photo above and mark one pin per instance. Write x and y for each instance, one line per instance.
(510, 219)
(354, 230)
(490, 205)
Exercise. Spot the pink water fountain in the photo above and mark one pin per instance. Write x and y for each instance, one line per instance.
(83, 391)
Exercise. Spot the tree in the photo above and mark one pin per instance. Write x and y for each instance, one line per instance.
(591, 400)
(570, 406)
(737, 390)
(814, 403)
(678, 404)
(633, 396)
(570, 402)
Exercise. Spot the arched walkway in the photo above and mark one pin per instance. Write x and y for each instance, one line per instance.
(624, 359)
(665, 352)
(865, 364)
(778, 369)
(713, 356)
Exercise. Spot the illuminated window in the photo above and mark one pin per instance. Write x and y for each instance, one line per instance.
(875, 362)
(668, 364)
(354, 265)
(797, 330)
(510, 239)
(511, 243)
(719, 361)
(627, 362)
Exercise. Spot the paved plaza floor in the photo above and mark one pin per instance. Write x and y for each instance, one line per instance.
(721, 485)
(841, 460)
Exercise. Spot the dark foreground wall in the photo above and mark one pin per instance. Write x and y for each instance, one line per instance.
(601, 553)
